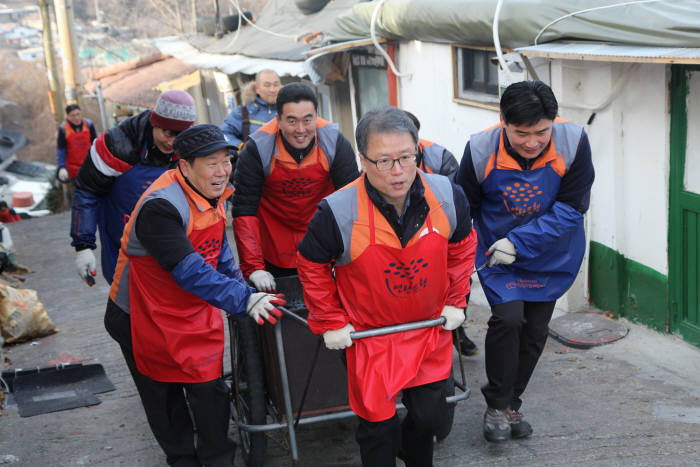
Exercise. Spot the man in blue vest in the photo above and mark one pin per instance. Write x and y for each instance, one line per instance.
(528, 181)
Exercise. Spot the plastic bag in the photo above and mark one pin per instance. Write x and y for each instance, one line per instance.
(22, 315)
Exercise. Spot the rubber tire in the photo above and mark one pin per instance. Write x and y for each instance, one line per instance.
(445, 429)
(245, 344)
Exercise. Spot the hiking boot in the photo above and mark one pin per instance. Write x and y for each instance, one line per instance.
(466, 347)
(496, 426)
(519, 428)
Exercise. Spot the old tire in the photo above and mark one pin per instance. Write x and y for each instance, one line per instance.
(248, 388)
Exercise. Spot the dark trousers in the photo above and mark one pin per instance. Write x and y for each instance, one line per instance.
(380, 442)
(514, 342)
(166, 407)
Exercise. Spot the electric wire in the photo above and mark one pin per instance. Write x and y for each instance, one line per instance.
(373, 36)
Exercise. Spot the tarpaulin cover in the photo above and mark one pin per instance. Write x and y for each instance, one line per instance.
(281, 17)
(658, 23)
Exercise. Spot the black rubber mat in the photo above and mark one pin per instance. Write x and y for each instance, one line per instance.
(54, 389)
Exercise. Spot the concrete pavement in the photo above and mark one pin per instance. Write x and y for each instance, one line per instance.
(633, 402)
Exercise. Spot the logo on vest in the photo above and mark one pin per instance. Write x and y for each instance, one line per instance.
(524, 284)
(402, 279)
(297, 187)
(209, 250)
(520, 199)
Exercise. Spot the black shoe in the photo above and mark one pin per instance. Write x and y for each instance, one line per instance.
(519, 428)
(466, 346)
(496, 426)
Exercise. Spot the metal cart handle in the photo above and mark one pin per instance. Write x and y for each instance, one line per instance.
(377, 331)
(397, 328)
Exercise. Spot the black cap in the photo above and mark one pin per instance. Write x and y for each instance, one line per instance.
(199, 141)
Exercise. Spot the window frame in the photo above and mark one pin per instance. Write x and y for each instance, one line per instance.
(472, 98)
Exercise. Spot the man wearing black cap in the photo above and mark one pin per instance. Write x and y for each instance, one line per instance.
(174, 274)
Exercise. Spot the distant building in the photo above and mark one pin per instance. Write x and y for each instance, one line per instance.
(22, 36)
(32, 54)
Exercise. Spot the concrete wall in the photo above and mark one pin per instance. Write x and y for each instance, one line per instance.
(427, 93)
(629, 139)
(630, 143)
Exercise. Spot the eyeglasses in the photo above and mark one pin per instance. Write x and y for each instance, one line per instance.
(386, 163)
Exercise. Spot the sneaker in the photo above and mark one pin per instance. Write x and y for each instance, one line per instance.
(496, 426)
(466, 346)
(519, 428)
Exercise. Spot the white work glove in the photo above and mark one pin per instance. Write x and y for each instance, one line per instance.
(339, 339)
(86, 264)
(454, 317)
(263, 281)
(501, 252)
(262, 305)
(63, 175)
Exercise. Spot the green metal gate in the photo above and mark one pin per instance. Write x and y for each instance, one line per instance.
(684, 199)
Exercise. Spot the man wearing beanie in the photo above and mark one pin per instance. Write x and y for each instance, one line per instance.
(122, 163)
(174, 274)
(284, 170)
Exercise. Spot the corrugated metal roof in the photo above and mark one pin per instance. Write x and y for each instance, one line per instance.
(612, 52)
(229, 64)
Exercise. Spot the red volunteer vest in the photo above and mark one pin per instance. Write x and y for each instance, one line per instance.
(386, 284)
(290, 196)
(77, 147)
(177, 336)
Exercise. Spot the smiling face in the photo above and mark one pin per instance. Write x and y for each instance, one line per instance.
(392, 184)
(208, 174)
(529, 140)
(297, 122)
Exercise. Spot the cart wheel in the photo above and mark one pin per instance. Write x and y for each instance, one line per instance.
(444, 430)
(248, 387)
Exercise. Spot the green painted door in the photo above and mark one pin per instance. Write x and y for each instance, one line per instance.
(684, 219)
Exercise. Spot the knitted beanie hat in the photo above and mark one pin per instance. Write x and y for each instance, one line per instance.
(174, 111)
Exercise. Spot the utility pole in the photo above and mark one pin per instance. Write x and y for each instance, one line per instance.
(55, 97)
(66, 35)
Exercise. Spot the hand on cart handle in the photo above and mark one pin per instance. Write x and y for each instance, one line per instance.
(262, 305)
(263, 281)
(454, 317)
(339, 339)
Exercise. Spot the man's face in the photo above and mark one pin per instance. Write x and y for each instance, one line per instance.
(163, 139)
(209, 174)
(392, 184)
(75, 117)
(267, 86)
(529, 140)
(297, 122)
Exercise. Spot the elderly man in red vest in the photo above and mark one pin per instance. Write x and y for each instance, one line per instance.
(174, 275)
(393, 247)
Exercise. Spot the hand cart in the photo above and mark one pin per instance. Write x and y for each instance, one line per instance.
(282, 376)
